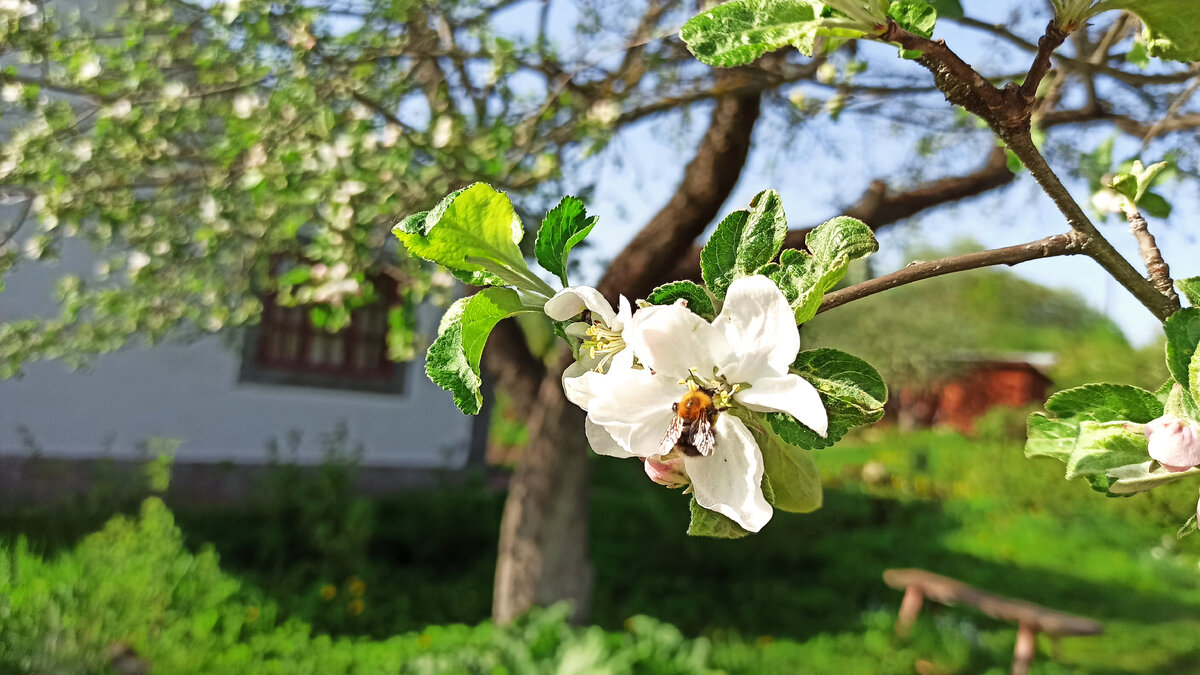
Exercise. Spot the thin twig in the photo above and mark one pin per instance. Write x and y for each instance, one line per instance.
(1160, 273)
(1068, 243)
(1050, 41)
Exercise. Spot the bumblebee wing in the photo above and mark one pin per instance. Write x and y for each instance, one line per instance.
(701, 436)
(674, 432)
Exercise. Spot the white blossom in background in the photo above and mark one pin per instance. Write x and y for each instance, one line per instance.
(739, 361)
(17, 7)
(11, 92)
(89, 70)
(443, 129)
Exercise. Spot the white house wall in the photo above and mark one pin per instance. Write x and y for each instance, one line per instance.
(192, 393)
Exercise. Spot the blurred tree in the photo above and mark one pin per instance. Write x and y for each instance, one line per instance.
(201, 147)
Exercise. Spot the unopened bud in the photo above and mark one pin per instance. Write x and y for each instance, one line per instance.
(668, 469)
(1173, 442)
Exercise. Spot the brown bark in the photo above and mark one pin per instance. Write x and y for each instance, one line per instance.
(707, 182)
(543, 556)
(543, 552)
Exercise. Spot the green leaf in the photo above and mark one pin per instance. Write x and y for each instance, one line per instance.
(915, 16)
(1054, 438)
(453, 359)
(805, 276)
(738, 32)
(563, 227)
(853, 393)
(1058, 435)
(1190, 288)
(1183, 333)
(1194, 377)
(473, 232)
(744, 242)
(695, 295)
(1154, 204)
(1106, 445)
(1188, 527)
(1180, 403)
(1137, 55)
(1127, 480)
(1125, 184)
(951, 9)
(1171, 28)
(1106, 403)
(707, 523)
(792, 471)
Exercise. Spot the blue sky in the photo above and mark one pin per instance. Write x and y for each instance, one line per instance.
(830, 165)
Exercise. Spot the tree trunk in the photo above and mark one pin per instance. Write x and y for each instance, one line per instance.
(543, 555)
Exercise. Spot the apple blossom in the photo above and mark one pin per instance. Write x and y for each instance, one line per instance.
(740, 362)
(1173, 442)
(603, 346)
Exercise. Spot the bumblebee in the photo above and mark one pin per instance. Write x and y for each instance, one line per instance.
(691, 431)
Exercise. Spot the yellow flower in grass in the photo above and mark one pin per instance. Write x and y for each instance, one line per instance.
(252, 614)
(356, 586)
(328, 592)
(355, 607)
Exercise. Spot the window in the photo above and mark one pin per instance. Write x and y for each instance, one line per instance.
(286, 349)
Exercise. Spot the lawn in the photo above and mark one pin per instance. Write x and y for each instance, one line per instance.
(805, 596)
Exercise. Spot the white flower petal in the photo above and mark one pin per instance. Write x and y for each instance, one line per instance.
(672, 339)
(729, 481)
(602, 442)
(624, 314)
(761, 330)
(585, 387)
(633, 406)
(569, 302)
(789, 394)
(622, 360)
(578, 329)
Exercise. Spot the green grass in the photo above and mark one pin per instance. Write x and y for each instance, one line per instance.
(806, 595)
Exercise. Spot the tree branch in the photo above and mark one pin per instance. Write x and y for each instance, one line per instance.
(1057, 245)
(1160, 273)
(1050, 41)
(707, 182)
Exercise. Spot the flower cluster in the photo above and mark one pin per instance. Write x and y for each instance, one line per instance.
(666, 386)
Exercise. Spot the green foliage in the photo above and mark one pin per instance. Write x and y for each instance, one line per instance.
(474, 233)
(744, 242)
(1190, 288)
(1172, 27)
(805, 276)
(706, 523)
(562, 229)
(791, 470)
(917, 17)
(851, 390)
(697, 298)
(1059, 434)
(453, 359)
(1183, 334)
(738, 32)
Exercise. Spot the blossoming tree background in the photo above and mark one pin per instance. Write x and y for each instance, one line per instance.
(267, 130)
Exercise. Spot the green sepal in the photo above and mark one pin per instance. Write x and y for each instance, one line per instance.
(1188, 527)
(707, 523)
(744, 242)
(563, 227)
(805, 276)
(695, 295)
(452, 361)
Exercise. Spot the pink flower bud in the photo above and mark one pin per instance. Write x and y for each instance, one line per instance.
(668, 469)
(1174, 443)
